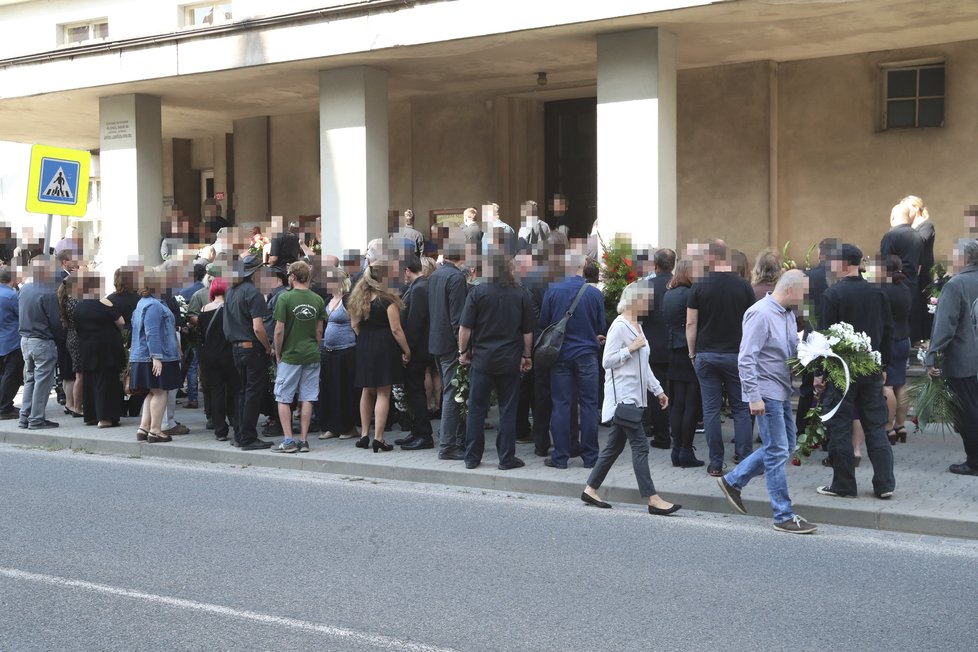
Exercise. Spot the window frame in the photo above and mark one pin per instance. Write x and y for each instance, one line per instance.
(91, 24)
(916, 66)
(187, 14)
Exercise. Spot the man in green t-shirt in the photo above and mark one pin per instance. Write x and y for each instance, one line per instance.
(299, 316)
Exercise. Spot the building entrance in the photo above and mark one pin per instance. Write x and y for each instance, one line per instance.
(571, 164)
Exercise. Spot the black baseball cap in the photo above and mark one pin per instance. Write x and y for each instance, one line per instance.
(848, 253)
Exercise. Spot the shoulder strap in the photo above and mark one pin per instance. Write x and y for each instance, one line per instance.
(211, 324)
(577, 299)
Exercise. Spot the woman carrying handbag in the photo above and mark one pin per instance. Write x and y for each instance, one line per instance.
(627, 379)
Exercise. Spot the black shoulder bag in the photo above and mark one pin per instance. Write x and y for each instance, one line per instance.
(628, 415)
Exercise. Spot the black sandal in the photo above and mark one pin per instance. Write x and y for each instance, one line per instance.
(901, 434)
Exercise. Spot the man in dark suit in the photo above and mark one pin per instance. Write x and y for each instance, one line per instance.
(901, 240)
(446, 297)
(414, 320)
(865, 307)
(953, 336)
(656, 332)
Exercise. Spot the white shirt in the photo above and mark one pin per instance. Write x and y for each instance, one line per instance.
(625, 372)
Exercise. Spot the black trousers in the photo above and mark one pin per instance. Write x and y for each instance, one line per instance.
(224, 388)
(11, 378)
(339, 400)
(684, 407)
(965, 390)
(806, 401)
(102, 394)
(542, 408)
(525, 403)
(866, 397)
(481, 385)
(418, 424)
(655, 417)
(252, 366)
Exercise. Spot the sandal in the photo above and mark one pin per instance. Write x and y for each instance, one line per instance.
(892, 437)
(141, 434)
(157, 438)
(901, 434)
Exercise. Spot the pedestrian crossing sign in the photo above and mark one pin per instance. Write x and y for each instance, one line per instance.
(58, 181)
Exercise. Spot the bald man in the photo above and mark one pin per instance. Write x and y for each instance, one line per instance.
(903, 241)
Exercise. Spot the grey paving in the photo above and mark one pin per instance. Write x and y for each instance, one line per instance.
(409, 566)
(929, 499)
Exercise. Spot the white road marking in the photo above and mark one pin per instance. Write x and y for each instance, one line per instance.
(377, 640)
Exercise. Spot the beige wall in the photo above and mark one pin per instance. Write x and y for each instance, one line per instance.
(723, 163)
(840, 175)
(294, 164)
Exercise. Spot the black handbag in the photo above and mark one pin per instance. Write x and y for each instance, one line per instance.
(628, 415)
(551, 340)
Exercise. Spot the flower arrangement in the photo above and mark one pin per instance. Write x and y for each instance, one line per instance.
(617, 271)
(841, 354)
(933, 289)
(930, 398)
(460, 381)
(258, 243)
(400, 400)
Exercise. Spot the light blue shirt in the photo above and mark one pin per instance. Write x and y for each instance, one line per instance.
(769, 339)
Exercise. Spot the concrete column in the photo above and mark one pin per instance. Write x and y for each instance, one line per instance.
(131, 146)
(353, 157)
(251, 195)
(637, 135)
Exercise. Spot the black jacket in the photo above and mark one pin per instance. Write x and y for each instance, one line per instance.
(414, 318)
(863, 305)
(446, 297)
(904, 242)
(654, 325)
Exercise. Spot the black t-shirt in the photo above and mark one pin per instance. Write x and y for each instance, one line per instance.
(904, 242)
(498, 316)
(242, 304)
(721, 298)
(286, 247)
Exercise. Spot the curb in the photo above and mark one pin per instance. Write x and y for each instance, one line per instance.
(486, 477)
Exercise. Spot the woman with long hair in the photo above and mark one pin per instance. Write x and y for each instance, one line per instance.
(766, 272)
(68, 293)
(375, 315)
(154, 357)
(338, 396)
(684, 388)
(920, 319)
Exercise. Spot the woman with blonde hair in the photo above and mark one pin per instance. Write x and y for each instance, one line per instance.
(766, 272)
(375, 315)
(920, 319)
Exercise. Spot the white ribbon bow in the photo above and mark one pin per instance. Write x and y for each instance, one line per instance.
(815, 346)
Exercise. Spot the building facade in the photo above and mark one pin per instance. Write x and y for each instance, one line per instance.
(758, 121)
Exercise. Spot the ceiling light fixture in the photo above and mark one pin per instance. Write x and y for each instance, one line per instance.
(541, 79)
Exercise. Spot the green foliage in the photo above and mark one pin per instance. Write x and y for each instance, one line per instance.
(813, 436)
(932, 402)
(460, 381)
(617, 271)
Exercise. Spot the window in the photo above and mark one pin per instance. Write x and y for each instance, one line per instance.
(207, 13)
(914, 96)
(91, 30)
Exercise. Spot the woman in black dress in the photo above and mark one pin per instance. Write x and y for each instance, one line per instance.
(68, 293)
(894, 389)
(216, 354)
(921, 320)
(101, 354)
(684, 388)
(376, 319)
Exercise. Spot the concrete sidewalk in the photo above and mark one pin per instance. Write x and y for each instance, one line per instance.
(928, 500)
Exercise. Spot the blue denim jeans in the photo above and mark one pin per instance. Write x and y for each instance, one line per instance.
(715, 372)
(193, 379)
(569, 379)
(778, 439)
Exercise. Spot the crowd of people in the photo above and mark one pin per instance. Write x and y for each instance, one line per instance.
(420, 329)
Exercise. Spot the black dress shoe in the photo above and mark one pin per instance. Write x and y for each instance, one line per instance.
(418, 444)
(451, 454)
(256, 445)
(540, 453)
(400, 441)
(472, 465)
(664, 444)
(516, 463)
(664, 512)
(963, 469)
(553, 465)
(594, 501)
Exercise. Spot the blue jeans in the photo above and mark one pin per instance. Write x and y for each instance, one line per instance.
(569, 378)
(778, 439)
(715, 372)
(192, 378)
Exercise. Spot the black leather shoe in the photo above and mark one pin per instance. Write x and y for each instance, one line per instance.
(655, 511)
(400, 441)
(594, 501)
(472, 465)
(664, 444)
(256, 445)
(451, 454)
(418, 444)
(516, 463)
(963, 469)
(553, 465)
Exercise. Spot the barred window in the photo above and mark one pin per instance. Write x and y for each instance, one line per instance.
(914, 97)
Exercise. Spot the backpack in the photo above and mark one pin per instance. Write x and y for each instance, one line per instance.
(551, 340)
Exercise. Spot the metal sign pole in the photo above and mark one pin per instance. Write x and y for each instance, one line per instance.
(47, 234)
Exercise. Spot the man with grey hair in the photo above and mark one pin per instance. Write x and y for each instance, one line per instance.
(768, 341)
(953, 338)
(40, 331)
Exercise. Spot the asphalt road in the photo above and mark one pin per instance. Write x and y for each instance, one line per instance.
(110, 553)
